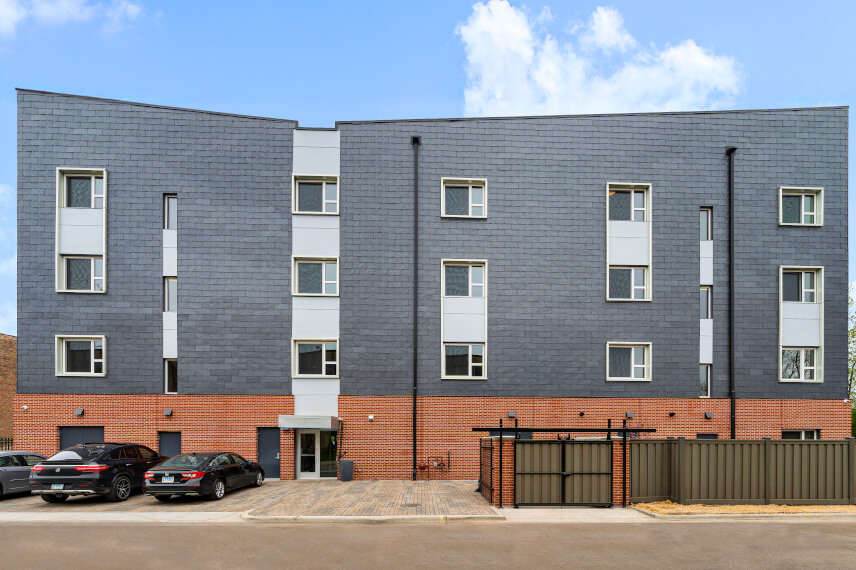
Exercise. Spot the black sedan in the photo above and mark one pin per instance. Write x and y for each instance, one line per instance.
(109, 469)
(208, 475)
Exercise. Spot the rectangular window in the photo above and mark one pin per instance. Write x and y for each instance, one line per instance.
(707, 436)
(316, 358)
(801, 206)
(170, 294)
(82, 190)
(705, 224)
(316, 277)
(801, 434)
(704, 380)
(801, 285)
(464, 198)
(170, 379)
(170, 212)
(464, 361)
(316, 196)
(628, 203)
(628, 361)
(83, 273)
(464, 279)
(800, 364)
(705, 301)
(628, 283)
(80, 356)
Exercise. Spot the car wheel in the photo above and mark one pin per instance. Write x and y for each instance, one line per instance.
(219, 490)
(259, 479)
(163, 498)
(54, 498)
(120, 490)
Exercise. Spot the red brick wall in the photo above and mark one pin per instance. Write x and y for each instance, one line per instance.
(8, 381)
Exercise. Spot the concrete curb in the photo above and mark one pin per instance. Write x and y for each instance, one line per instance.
(443, 519)
(755, 516)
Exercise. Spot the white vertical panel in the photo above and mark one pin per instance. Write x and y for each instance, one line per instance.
(170, 335)
(706, 262)
(705, 341)
(170, 253)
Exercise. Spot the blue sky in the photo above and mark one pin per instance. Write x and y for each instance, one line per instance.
(318, 62)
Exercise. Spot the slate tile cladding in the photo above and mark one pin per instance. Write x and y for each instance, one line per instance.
(231, 176)
(544, 239)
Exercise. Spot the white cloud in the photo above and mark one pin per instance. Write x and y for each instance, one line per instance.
(8, 318)
(513, 68)
(59, 12)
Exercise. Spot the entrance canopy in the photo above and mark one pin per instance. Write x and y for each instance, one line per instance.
(309, 422)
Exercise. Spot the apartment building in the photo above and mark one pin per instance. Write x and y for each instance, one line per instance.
(196, 280)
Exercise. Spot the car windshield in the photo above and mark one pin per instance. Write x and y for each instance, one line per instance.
(187, 460)
(79, 452)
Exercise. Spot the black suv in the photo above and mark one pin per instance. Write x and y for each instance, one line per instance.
(109, 469)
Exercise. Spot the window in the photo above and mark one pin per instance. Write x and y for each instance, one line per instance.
(628, 361)
(32, 459)
(316, 358)
(464, 198)
(705, 224)
(464, 361)
(170, 294)
(628, 202)
(628, 283)
(170, 376)
(800, 365)
(802, 434)
(800, 286)
(316, 196)
(463, 279)
(316, 277)
(801, 206)
(80, 356)
(707, 436)
(82, 274)
(705, 301)
(170, 212)
(82, 190)
(704, 380)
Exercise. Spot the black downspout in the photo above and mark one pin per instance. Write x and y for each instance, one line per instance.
(729, 152)
(415, 142)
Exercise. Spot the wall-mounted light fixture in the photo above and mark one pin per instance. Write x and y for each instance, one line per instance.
(78, 412)
(25, 408)
(167, 412)
(582, 414)
(628, 414)
(708, 415)
(671, 414)
(371, 417)
(512, 414)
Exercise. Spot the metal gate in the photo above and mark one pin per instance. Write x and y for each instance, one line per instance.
(566, 472)
(486, 470)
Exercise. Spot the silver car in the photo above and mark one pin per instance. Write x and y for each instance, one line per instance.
(15, 470)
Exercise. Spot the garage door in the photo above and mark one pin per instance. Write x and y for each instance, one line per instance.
(75, 435)
(169, 443)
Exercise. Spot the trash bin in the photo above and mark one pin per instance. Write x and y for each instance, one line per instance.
(346, 469)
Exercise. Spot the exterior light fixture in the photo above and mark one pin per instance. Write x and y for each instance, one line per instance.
(25, 408)
(371, 417)
(512, 414)
(628, 414)
(671, 414)
(78, 412)
(582, 414)
(167, 412)
(708, 415)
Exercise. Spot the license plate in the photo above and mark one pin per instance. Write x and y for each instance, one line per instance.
(168, 480)
(57, 487)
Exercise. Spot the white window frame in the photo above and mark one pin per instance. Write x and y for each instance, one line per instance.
(60, 352)
(469, 346)
(166, 211)
(166, 298)
(631, 187)
(295, 260)
(62, 172)
(709, 289)
(802, 433)
(803, 191)
(470, 183)
(470, 263)
(92, 174)
(633, 286)
(315, 179)
(818, 283)
(324, 362)
(709, 232)
(63, 275)
(648, 361)
(166, 362)
(818, 368)
(709, 369)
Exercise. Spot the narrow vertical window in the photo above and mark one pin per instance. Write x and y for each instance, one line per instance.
(705, 224)
(170, 376)
(170, 212)
(170, 294)
(704, 380)
(705, 303)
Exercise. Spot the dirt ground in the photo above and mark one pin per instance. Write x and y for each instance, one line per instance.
(670, 508)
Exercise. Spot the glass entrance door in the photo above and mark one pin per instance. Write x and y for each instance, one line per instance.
(328, 454)
(317, 454)
(307, 455)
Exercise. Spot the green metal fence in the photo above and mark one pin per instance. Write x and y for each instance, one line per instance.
(743, 471)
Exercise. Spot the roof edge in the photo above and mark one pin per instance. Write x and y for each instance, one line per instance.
(154, 106)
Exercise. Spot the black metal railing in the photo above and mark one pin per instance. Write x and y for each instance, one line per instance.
(5, 444)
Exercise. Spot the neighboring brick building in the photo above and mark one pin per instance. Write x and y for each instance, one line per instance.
(8, 379)
(570, 269)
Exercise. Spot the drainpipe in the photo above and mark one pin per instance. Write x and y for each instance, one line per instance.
(729, 152)
(415, 143)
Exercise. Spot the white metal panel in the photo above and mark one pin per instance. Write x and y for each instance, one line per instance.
(170, 253)
(81, 231)
(628, 243)
(170, 335)
(801, 324)
(467, 305)
(315, 386)
(315, 242)
(315, 317)
(706, 263)
(705, 341)
(462, 327)
(319, 138)
(316, 405)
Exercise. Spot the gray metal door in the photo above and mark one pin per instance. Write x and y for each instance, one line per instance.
(562, 472)
(75, 435)
(268, 451)
(169, 443)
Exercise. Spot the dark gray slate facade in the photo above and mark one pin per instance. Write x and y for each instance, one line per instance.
(544, 239)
